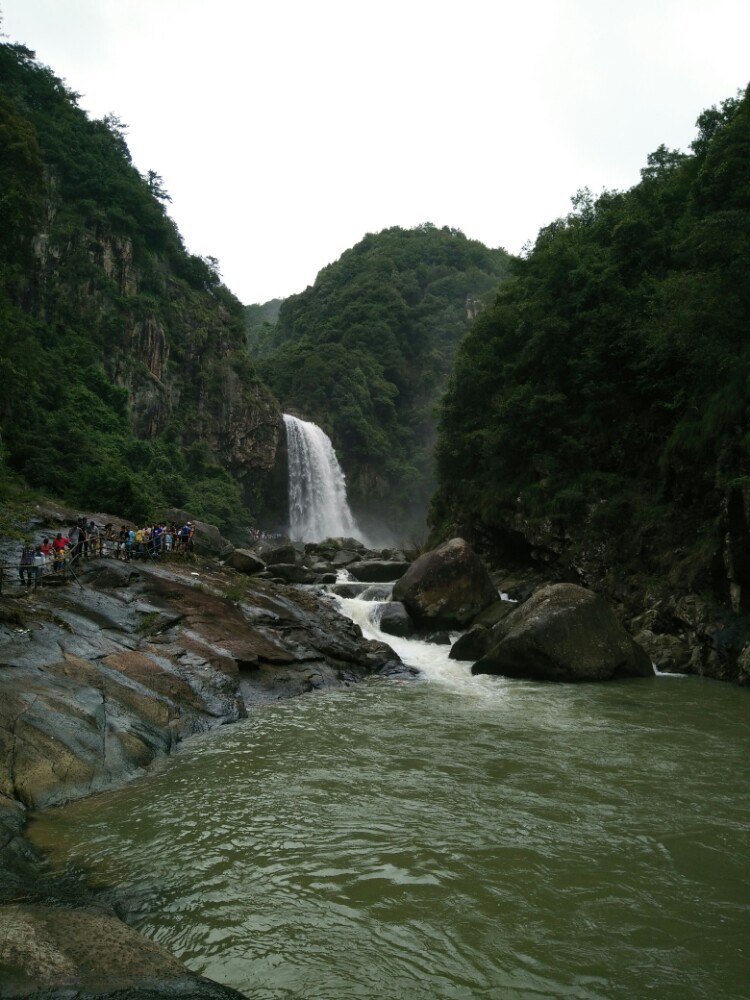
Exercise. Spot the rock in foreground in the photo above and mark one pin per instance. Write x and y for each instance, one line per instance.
(448, 586)
(564, 633)
(87, 952)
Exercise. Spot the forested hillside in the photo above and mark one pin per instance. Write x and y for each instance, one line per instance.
(598, 415)
(260, 318)
(125, 379)
(366, 350)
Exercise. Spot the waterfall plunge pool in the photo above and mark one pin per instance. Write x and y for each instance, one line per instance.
(456, 837)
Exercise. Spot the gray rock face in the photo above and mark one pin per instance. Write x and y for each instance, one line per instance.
(378, 570)
(440, 638)
(95, 682)
(395, 620)
(484, 632)
(348, 590)
(564, 633)
(245, 561)
(376, 592)
(448, 586)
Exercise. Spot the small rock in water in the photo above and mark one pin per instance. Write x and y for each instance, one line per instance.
(395, 620)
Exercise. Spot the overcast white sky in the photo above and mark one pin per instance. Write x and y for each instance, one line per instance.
(286, 130)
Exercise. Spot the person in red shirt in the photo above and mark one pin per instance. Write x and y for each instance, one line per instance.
(46, 547)
(60, 541)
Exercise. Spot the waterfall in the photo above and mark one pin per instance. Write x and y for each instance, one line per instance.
(318, 507)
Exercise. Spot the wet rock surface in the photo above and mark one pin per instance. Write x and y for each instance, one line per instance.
(96, 680)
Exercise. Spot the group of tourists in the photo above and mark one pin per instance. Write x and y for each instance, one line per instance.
(258, 535)
(154, 540)
(86, 539)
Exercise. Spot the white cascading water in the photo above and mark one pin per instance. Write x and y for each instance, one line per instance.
(318, 506)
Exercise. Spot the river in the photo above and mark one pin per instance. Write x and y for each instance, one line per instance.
(454, 837)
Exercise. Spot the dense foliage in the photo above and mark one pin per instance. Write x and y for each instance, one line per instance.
(608, 385)
(93, 276)
(260, 318)
(366, 350)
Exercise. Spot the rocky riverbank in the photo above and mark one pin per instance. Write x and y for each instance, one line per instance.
(100, 678)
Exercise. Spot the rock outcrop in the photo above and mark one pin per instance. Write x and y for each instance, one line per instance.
(98, 680)
(245, 561)
(564, 633)
(447, 586)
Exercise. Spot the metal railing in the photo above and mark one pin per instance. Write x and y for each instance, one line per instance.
(107, 548)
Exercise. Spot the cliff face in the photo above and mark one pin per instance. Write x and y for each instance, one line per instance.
(117, 347)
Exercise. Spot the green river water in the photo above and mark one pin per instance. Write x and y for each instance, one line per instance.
(453, 837)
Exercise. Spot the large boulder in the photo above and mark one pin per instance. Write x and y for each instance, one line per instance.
(245, 561)
(292, 573)
(564, 633)
(395, 620)
(287, 553)
(207, 540)
(448, 586)
(378, 570)
(344, 557)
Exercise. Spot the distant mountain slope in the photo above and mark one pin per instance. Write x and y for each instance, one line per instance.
(126, 382)
(599, 412)
(260, 317)
(366, 350)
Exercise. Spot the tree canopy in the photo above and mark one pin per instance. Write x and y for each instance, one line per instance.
(95, 281)
(366, 350)
(608, 385)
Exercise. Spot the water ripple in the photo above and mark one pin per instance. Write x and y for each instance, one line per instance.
(420, 842)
